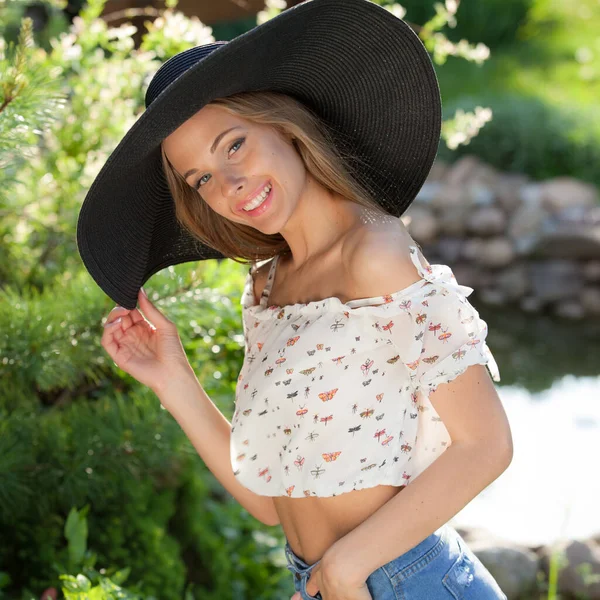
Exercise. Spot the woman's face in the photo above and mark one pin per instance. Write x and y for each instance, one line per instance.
(227, 170)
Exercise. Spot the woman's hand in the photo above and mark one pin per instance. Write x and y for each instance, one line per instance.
(149, 351)
(332, 587)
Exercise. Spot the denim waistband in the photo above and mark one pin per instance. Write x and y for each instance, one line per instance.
(295, 561)
(299, 566)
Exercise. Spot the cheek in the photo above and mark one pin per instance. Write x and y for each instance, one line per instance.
(222, 209)
(215, 206)
(286, 164)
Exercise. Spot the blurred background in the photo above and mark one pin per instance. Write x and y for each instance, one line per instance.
(101, 493)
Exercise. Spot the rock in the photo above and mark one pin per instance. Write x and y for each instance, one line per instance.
(581, 557)
(487, 278)
(524, 227)
(507, 188)
(572, 233)
(451, 197)
(486, 175)
(531, 304)
(468, 274)
(513, 281)
(481, 221)
(586, 216)
(569, 309)
(591, 270)
(531, 195)
(590, 300)
(420, 223)
(496, 252)
(555, 280)
(514, 567)
(568, 243)
(452, 221)
(428, 192)
(472, 248)
(492, 296)
(438, 171)
(450, 248)
(561, 192)
(461, 171)
(486, 221)
(471, 534)
(469, 169)
(481, 194)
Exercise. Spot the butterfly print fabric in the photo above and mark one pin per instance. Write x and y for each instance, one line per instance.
(327, 399)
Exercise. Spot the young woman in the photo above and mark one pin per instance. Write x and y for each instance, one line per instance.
(342, 432)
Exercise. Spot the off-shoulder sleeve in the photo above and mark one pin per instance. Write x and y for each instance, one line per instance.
(439, 335)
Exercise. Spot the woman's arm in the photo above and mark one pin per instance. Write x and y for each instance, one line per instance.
(430, 501)
(210, 432)
(449, 372)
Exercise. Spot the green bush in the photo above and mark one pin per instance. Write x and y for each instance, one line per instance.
(116, 455)
(493, 22)
(529, 136)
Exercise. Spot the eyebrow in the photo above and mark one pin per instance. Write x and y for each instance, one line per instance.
(212, 148)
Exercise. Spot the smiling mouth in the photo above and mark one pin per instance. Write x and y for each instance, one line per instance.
(259, 197)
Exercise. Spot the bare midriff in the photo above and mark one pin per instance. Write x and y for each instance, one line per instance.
(313, 524)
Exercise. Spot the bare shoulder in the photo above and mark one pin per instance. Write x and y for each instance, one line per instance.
(377, 261)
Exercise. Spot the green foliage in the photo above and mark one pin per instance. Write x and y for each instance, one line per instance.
(237, 556)
(121, 455)
(494, 22)
(529, 136)
(89, 584)
(13, 11)
(26, 87)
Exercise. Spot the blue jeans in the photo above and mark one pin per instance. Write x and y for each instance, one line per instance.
(441, 567)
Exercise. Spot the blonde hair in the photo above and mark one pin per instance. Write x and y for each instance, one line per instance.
(313, 142)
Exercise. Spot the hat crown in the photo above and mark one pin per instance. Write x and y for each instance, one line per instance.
(175, 66)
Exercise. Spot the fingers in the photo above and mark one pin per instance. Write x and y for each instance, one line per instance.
(118, 318)
(128, 317)
(136, 316)
(117, 311)
(152, 313)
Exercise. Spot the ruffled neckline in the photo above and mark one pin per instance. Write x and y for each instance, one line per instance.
(430, 274)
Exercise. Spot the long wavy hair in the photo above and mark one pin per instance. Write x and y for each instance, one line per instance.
(313, 142)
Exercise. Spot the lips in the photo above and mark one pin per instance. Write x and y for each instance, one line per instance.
(251, 196)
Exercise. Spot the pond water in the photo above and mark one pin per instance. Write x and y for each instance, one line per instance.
(550, 390)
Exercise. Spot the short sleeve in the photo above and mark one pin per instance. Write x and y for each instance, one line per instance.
(440, 334)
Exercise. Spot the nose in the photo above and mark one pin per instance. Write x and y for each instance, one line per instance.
(233, 186)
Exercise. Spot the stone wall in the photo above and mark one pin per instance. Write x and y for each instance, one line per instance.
(533, 244)
(523, 571)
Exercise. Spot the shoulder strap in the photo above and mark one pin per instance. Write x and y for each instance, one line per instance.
(423, 268)
(264, 297)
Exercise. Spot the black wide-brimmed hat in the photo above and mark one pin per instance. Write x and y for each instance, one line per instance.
(360, 68)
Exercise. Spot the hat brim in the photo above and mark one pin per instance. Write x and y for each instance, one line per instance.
(360, 68)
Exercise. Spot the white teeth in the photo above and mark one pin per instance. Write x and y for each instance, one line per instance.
(259, 199)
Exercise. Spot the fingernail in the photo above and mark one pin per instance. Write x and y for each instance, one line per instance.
(144, 292)
(113, 322)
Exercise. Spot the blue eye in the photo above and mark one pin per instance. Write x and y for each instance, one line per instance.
(241, 140)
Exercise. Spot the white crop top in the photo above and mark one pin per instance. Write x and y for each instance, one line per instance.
(326, 399)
